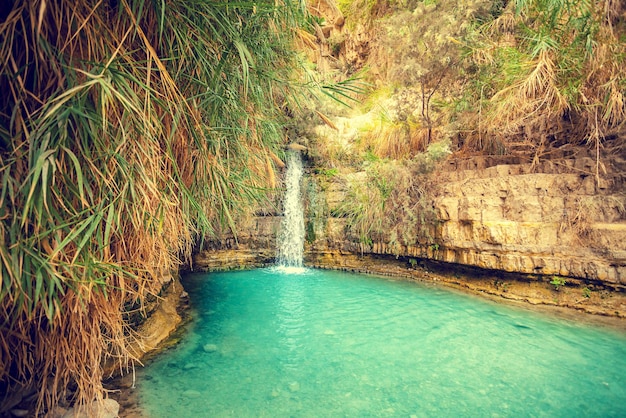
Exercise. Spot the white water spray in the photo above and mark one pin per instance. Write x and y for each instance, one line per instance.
(291, 236)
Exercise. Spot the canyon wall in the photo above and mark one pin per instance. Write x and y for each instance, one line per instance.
(550, 218)
(553, 218)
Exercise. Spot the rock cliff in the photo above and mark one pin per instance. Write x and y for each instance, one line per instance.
(552, 218)
(547, 221)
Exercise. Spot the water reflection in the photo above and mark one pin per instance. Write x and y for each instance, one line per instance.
(333, 344)
(290, 318)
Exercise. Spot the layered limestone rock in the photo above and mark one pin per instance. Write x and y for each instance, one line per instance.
(508, 218)
(554, 218)
(253, 246)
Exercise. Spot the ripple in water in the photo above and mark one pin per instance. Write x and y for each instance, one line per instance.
(266, 343)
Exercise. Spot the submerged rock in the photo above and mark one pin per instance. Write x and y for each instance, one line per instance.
(210, 348)
(191, 394)
(190, 366)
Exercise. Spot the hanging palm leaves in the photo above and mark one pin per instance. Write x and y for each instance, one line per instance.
(542, 63)
(128, 128)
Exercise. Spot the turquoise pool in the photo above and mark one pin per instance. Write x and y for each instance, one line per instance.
(317, 343)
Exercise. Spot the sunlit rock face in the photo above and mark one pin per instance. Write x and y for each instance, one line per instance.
(509, 218)
(549, 219)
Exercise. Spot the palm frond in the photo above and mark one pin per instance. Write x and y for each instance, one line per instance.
(128, 130)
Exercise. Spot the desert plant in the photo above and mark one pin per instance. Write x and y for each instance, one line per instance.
(550, 71)
(363, 206)
(389, 201)
(558, 282)
(423, 56)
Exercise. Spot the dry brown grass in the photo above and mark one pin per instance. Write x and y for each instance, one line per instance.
(542, 72)
(534, 96)
(399, 140)
(121, 143)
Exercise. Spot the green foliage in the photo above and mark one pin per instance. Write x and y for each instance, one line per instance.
(418, 51)
(425, 162)
(538, 62)
(310, 232)
(128, 130)
(417, 44)
(370, 157)
(316, 209)
(557, 282)
(438, 151)
(389, 201)
(363, 206)
(327, 172)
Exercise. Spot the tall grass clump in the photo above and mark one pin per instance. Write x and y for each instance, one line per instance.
(128, 130)
(552, 72)
(413, 52)
(389, 202)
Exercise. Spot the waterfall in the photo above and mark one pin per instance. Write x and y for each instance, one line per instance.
(291, 236)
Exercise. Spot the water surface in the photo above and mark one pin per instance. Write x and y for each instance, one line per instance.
(267, 343)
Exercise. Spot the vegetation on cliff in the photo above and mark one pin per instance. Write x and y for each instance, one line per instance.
(547, 73)
(527, 78)
(128, 129)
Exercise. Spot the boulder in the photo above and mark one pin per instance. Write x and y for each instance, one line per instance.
(108, 408)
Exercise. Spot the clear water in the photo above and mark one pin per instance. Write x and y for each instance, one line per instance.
(328, 344)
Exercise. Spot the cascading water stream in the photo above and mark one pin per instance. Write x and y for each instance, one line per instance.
(291, 236)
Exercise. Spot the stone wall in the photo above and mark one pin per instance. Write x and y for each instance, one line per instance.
(253, 246)
(559, 221)
(552, 218)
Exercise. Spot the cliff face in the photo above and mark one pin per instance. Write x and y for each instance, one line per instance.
(547, 234)
(533, 210)
(553, 218)
(550, 219)
(558, 221)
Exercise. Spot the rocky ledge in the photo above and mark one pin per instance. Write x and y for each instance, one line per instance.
(549, 233)
(554, 218)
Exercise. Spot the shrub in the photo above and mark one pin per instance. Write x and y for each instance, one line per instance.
(552, 72)
(390, 203)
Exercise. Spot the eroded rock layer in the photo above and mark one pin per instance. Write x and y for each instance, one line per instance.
(553, 220)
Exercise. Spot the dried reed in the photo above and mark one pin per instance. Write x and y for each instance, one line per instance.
(128, 129)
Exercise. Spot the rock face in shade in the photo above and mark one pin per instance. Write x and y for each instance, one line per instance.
(553, 218)
(163, 316)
